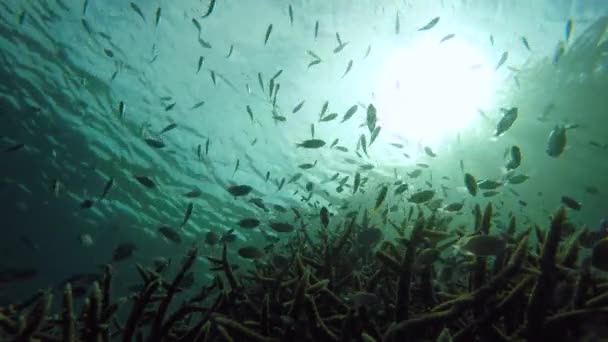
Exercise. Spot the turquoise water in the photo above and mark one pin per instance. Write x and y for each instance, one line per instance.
(66, 72)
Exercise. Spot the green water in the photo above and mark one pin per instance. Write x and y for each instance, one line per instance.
(61, 93)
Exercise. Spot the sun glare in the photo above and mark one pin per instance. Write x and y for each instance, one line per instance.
(431, 90)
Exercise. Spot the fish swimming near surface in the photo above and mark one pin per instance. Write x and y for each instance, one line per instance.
(311, 143)
(557, 141)
(430, 25)
(170, 234)
(209, 9)
(503, 59)
(508, 118)
(568, 30)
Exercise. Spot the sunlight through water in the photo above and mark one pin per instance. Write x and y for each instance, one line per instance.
(431, 90)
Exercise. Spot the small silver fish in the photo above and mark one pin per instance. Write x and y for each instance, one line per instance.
(502, 60)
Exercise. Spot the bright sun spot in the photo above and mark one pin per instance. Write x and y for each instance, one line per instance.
(430, 90)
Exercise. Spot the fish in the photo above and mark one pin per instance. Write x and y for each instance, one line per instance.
(207, 146)
(154, 143)
(295, 178)
(268, 32)
(201, 60)
(187, 214)
(381, 196)
(277, 74)
(230, 51)
(250, 252)
(236, 167)
(249, 223)
(85, 6)
(261, 83)
(397, 24)
(137, 10)
(348, 67)
(502, 60)
(363, 143)
(421, 196)
(592, 190)
(482, 245)
(492, 40)
(525, 42)
(374, 135)
(197, 25)
(366, 167)
(415, 173)
(146, 181)
(108, 53)
(568, 30)
(170, 106)
(211, 238)
(488, 184)
(517, 179)
(290, 9)
(209, 9)
(324, 216)
(571, 203)
(281, 227)
(23, 14)
(249, 112)
(313, 55)
(106, 188)
(123, 251)
(341, 148)
(556, 144)
(14, 148)
(357, 182)
(312, 130)
(367, 51)
(168, 128)
(507, 120)
(447, 37)
(122, 108)
(157, 17)
(313, 63)
(452, 207)
(170, 234)
(340, 47)
(307, 166)
(311, 143)
(371, 117)
(316, 29)
(198, 105)
(429, 152)
(239, 190)
(350, 112)
(212, 74)
(281, 184)
(87, 204)
(329, 117)
(490, 193)
(267, 176)
(558, 53)
(401, 189)
(430, 24)
(297, 107)
(515, 158)
(193, 193)
(470, 183)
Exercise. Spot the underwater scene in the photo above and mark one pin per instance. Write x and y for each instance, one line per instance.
(304, 170)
